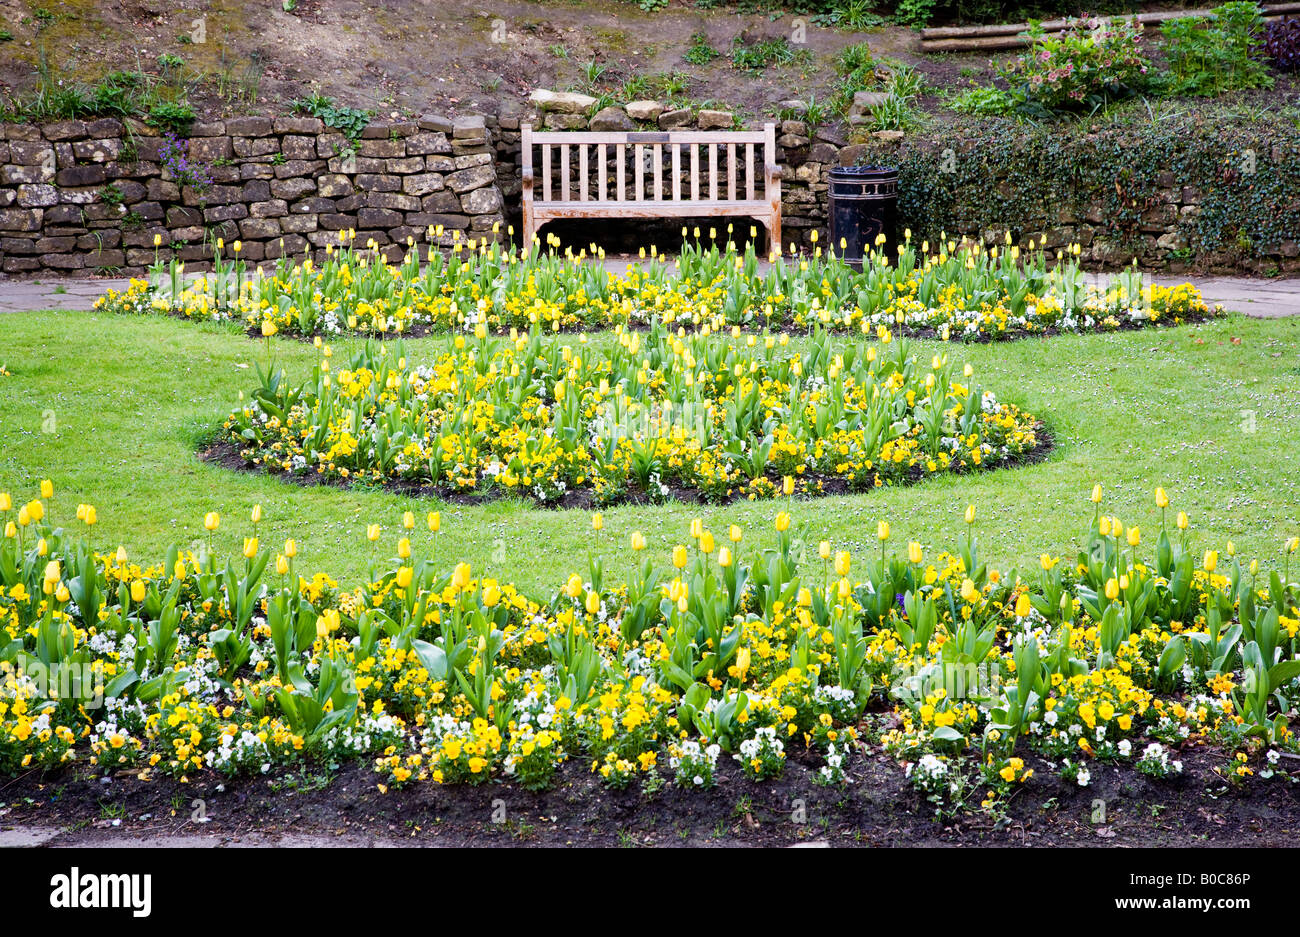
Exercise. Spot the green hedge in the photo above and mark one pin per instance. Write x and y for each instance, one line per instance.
(999, 173)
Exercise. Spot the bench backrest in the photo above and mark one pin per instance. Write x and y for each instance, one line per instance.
(682, 166)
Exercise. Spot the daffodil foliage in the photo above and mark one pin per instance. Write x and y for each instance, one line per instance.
(952, 290)
(724, 416)
(193, 663)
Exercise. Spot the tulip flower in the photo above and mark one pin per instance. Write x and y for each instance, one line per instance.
(1096, 494)
(679, 557)
(638, 541)
(782, 522)
(137, 591)
(434, 520)
(211, 521)
(1023, 605)
(970, 514)
(1162, 499)
(882, 530)
(914, 554)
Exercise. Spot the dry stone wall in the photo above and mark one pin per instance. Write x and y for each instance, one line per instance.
(95, 196)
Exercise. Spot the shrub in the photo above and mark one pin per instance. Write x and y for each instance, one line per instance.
(1210, 56)
(1282, 44)
(1082, 67)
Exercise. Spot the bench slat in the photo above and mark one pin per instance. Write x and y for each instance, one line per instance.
(695, 173)
(671, 136)
(731, 171)
(713, 172)
(601, 158)
(638, 156)
(583, 180)
(677, 171)
(658, 154)
(621, 171)
(564, 172)
(546, 172)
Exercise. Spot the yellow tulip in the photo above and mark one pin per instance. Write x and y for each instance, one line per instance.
(1211, 560)
(408, 520)
(47, 489)
(491, 595)
(1134, 536)
(782, 522)
(734, 533)
(706, 541)
(137, 591)
(787, 485)
(434, 521)
(638, 541)
(882, 530)
(843, 560)
(679, 557)
(592, 603)
(824, 549)
(1023, 605)
(970, 514)
(724, 557)
(256, 516)
(597, 522)
(211, 521)
(404, 548)
(914, 554)
(1162, 499)
(1096, 494)
(250, 547)
(282, 564)
(290, 548)
(404, 574)
(372, 532)
(1112, 589)
(1182, 520)
(6, 502)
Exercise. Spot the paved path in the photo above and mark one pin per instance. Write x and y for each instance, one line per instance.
(1265, 299)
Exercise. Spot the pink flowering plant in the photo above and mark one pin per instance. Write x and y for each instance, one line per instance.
(1090, 62)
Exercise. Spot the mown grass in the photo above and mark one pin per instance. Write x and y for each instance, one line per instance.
(1207, 411)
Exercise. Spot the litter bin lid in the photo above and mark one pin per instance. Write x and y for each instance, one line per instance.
(862, 173)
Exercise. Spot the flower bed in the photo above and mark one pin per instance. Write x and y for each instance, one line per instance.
(192, 663)
(651, 415)
(957, 291)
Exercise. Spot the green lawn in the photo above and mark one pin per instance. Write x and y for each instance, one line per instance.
(1210, 419)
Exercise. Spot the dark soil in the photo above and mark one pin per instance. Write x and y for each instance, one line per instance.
(226, 454)
(879, 808)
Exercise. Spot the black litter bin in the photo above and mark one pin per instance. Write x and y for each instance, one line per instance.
(863, 205)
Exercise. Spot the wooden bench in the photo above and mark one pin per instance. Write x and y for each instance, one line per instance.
(674, 174)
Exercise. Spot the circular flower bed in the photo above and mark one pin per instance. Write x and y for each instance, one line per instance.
(648, 416)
